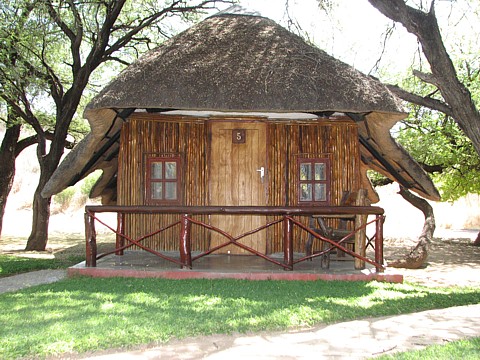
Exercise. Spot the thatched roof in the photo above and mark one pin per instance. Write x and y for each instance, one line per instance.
(245, 64)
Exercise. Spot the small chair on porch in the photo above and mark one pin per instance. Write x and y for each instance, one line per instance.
(317, 224)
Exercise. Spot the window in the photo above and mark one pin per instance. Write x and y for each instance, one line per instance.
(314, 181)
(163, 180)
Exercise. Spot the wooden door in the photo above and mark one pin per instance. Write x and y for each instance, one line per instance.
(237, 157)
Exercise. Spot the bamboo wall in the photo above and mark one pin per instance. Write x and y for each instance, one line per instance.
(336, 140)
(152, 135)
(148, 134)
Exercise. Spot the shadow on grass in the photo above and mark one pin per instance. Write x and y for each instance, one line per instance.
(88, 314)
(11, 265)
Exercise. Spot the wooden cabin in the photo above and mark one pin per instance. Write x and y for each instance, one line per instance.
(237, 111)
(234, 161)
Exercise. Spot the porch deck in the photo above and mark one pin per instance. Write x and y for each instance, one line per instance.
(142, 264)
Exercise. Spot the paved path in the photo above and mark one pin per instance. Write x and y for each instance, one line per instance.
(359, 339)
(21, 281)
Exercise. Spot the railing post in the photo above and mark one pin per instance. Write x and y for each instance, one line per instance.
(91, 241)
(120, 240)
(379, 241)
(185, 248)
(360, 235)
(288, 242)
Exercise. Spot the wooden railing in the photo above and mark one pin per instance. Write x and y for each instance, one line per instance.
(287, 214)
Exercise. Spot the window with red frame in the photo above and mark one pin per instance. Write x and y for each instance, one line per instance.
(314, 181)
(163, 180)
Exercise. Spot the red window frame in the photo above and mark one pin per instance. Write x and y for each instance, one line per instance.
(160, 181)
(314, 181)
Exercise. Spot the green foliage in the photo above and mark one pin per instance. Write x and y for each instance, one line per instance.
(89, 182)
(436, 141)
(89, 314)
(64, 198)
(11, 265)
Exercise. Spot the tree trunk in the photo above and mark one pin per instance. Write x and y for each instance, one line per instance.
(417, 257)
(37, 241)
(477, 240)
(7, 166)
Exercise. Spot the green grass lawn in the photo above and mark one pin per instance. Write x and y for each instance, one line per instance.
(468, 349)
(11, 265)
(88, 314)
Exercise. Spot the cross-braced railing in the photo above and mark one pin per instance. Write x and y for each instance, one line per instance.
(287, 214)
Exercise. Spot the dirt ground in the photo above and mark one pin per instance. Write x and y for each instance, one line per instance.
(452, 258)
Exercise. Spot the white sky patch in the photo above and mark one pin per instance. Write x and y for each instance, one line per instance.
(354, 31)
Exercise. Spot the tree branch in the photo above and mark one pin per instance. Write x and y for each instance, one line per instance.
(428, 78)
(420, 100)
(425, 27)
(174, 7)
(61, 24)
(76, 42)
(432, 168)
(31, 140)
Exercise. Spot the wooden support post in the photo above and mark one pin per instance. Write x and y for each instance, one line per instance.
(360, 235)
(185, 248)
(91, 241)
(379, 241)
(288, 243)
(120, 240)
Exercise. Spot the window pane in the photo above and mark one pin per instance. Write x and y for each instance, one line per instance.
(156, 191)
(305, 171)
(305, 192)
(320, 173)
(156, 170)
(171, 191)
(170, 170)
(320, 192)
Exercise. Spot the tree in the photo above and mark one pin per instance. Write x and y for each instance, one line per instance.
(12, 76)
(53, 55)
(443, 150)
(457, 101)
(436, 141)
(418, 255)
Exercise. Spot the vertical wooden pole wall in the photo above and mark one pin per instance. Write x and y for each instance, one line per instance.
(154, 135)
(288, 141)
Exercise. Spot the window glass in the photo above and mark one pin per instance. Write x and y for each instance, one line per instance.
(306, 192)
(320, 192)
(320, 173)
(171, 191)
(313, 181)
(156, 170)
(162, 180)
(305, 171)
(170, 170)
(157, 193)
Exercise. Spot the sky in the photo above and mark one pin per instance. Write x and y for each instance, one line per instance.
(354, 31)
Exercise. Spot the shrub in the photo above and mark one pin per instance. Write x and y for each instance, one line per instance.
(89, 182)
(64, 198)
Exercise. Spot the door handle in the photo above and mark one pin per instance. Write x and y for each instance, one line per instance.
(262, 173)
